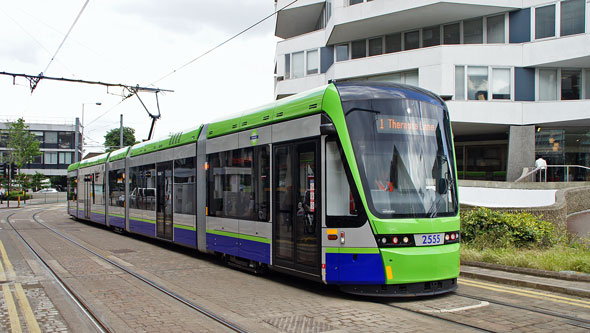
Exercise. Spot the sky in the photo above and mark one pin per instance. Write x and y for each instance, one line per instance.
(135, 42)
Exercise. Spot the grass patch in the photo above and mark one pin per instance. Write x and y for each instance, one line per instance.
(520, 240)
(561, 257)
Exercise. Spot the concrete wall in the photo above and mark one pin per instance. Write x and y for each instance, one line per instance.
(521, 150)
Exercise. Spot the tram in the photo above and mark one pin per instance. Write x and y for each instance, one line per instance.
(351, 184)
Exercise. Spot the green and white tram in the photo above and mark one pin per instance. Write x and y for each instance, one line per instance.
(350, 184)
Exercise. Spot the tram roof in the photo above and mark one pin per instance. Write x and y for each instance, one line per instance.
(100, 159)
(170, 141)
(119, 154)
(73, 166)
(294, 106)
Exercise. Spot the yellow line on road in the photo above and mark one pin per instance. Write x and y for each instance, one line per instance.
(2, 274)
(524, 293)
(14, 322)
(26, 309)
(7, 263)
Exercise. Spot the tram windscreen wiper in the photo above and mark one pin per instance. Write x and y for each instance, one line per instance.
(361, 109)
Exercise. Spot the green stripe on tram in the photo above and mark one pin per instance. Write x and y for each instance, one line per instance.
(240, 236)
(185, 227)
(363, 250)
(139, 219)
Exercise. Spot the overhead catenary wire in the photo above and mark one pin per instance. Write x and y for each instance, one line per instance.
(223, 43)
(66, 36)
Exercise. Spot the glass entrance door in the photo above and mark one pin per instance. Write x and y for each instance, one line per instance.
(296, 209)
(164, 226)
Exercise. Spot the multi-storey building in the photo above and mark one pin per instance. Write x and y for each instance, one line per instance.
(59, 146)
(515, 73)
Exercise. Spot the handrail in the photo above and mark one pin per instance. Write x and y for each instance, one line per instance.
(567, 171)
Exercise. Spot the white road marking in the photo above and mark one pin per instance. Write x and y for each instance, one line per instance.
(469, 307)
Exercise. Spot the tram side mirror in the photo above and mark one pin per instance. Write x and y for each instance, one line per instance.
(442, 186)
(327, 129)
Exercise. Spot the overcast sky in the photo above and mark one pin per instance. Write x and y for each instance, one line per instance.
(135, 42)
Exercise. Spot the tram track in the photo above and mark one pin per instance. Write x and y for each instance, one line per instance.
(430, 315)
(100, 325)
(579, 322)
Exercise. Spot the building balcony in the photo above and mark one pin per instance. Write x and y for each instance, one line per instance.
(382, 17)
(569, 51)
(490, 114)
(293, 86)
(299, 18)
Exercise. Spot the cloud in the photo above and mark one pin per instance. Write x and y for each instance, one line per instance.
(189, 16)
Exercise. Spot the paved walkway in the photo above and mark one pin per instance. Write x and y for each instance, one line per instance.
(571, 284)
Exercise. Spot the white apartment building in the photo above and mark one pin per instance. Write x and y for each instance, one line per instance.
(515, 73)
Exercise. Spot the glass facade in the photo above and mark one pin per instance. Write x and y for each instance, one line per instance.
(564, 146)
(545, 21)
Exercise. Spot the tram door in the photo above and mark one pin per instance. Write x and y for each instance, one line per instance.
(164, 200)
(88, 194)
(296, 206)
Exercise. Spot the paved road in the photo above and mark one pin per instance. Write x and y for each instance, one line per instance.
(257, 303)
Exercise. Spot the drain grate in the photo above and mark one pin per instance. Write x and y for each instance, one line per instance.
(296, 324)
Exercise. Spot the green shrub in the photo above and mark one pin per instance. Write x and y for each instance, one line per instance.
(14, 195)
(484, 228)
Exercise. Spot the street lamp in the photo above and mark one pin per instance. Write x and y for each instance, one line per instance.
(82, 132)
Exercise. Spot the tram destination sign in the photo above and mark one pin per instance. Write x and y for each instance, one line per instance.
(406, 125)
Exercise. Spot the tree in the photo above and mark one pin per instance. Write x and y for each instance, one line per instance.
(112, 138)
(36, 180)
(22, 144)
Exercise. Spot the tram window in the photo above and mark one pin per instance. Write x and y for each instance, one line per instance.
(117, 188)
(142, 187)
(72, 188)
(184, 186)
(239, 184)
(338, 194)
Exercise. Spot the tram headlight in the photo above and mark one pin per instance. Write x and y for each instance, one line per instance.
(452, 237)
(384, 240)
(395, 240)
(406, 240)
(447, 237)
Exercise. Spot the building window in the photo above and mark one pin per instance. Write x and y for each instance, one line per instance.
(65, 158)
(452, 34)
(495, 29)
(298, 61)
(409, 77)
(328, 10)
(545, 22)
(50, 137)
(393, 43)
(573, 13)
(375, 46)
(460, 83)
(570, 84)
(359, 49)
(412, 40)
(287, 66)
(587, 83)
(312, 62)
(501, 83)
(38, 136)
(547, 84)
(354, 2)
(37, 159)
(342, 52)
(473, 31)
(431, 36)
(50, 157)
(477, 83)
(66, 140)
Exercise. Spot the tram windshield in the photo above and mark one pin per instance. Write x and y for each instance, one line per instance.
(404, 153)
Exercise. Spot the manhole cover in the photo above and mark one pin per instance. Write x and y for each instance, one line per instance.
(123, 251)
(296, 324)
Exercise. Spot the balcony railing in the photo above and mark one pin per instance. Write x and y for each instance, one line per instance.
(557, 173)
